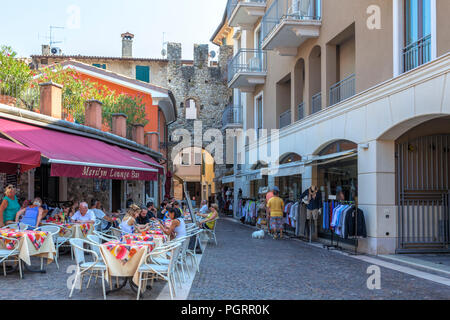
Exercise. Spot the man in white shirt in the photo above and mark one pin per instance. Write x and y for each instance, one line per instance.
(84, 215)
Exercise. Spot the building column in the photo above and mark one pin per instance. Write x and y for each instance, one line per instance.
(376, 196)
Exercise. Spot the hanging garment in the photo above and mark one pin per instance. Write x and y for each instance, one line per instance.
(355, 226)
(302, 221)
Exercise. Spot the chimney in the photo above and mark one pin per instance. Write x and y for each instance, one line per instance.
(119, 124)
(152, 140)
(93, 114)
(138, 134)
(51, 99)
(46, 50)
(127, 45)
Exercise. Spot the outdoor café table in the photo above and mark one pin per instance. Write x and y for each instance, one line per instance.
(31, 244)
(158, 239)
(80, 230)
(123, 259)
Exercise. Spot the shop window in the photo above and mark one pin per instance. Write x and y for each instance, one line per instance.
(338, 146)
(290, 158)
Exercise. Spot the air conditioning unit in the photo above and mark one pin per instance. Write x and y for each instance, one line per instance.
(56, 51)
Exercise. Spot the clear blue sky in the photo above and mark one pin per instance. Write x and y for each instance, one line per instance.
(102, 21)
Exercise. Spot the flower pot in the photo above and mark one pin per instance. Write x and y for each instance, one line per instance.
(10, 101)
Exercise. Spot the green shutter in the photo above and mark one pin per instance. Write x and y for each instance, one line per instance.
(143, 73)
(98, 65)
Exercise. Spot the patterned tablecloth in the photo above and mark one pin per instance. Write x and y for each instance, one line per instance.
(123, 258)
(80, 230)
(31, 243)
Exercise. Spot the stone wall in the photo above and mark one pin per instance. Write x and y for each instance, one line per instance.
(88, 189)
(206, 85)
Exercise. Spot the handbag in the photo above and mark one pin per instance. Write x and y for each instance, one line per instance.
(305, 200)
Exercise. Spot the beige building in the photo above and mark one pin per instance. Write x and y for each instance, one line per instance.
(360, 95)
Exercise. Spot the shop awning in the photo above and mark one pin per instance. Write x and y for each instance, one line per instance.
(76, 156)
(288, 169)
(14, 156)
(144, 159)
(330, 158)
(228, 179)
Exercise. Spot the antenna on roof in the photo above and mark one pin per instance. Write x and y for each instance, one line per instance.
(164, 51)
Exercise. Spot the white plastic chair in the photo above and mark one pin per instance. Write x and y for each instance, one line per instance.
(83, 266)
(164, 271)
(53, 230)
(192, 252)
(61, 241)
(212, 233)
(6, 255)
(18, 226)
(104, 236)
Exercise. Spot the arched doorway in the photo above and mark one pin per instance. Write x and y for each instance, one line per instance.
(423, 184)
(196, 167)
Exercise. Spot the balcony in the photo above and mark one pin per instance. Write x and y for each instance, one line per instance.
(285, 119)
(247, 69)
(301, 111)
(342, 90)
(316, 103)
(245, 13)
(417, 53)
(232, 117)
(289, 23)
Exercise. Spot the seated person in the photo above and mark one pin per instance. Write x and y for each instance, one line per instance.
(33, 214)
(209, 222)
(128, 224)
(83, 215)
(177, 228)
(162, 212)
(107, 221)
(143, 220)
(152, 212)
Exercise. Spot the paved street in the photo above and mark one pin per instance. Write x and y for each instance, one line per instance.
(244, 268)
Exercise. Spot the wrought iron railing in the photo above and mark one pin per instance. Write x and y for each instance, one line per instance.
(232, 4)
(248, 61)
(292, 9)
(301, 111)
(417, 53)
(232, 115)
(342, 90)
(22, 93)
(285, 119)
(316, 103)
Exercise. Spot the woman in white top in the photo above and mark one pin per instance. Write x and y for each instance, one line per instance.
(177, 228)
(129, 221)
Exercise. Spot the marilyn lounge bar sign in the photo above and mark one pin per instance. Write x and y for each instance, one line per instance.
(89, 172)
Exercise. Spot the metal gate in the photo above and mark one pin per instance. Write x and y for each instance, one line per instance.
(423, 194)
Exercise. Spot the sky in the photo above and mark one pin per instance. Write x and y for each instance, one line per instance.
(93, 27)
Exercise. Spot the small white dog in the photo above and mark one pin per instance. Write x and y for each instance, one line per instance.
(258, 234)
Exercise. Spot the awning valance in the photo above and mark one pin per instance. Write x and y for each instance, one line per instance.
(330, 158)
(76, 156)
(288, 169)
(14, 156)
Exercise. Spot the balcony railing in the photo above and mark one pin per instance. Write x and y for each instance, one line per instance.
(292, 9)
(417, 53)
(316, 103)
(232, 115)
(232, 4)
(342, 90)
(247, 61)
(301, 111)
(285, 119)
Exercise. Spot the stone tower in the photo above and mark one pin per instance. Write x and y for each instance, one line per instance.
(206, 85)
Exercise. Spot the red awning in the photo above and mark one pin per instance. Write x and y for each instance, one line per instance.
(76, 156)
(145, 159)
(13, 155)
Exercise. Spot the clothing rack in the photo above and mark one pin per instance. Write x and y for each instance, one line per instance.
(332, 245)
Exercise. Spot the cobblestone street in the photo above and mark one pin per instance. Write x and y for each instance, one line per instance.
(244, 268)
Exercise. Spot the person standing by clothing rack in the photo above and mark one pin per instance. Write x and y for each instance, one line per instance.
(313, 205)
(276, 206)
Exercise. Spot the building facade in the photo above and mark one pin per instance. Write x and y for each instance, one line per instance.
(199, 86)
(357, 93)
